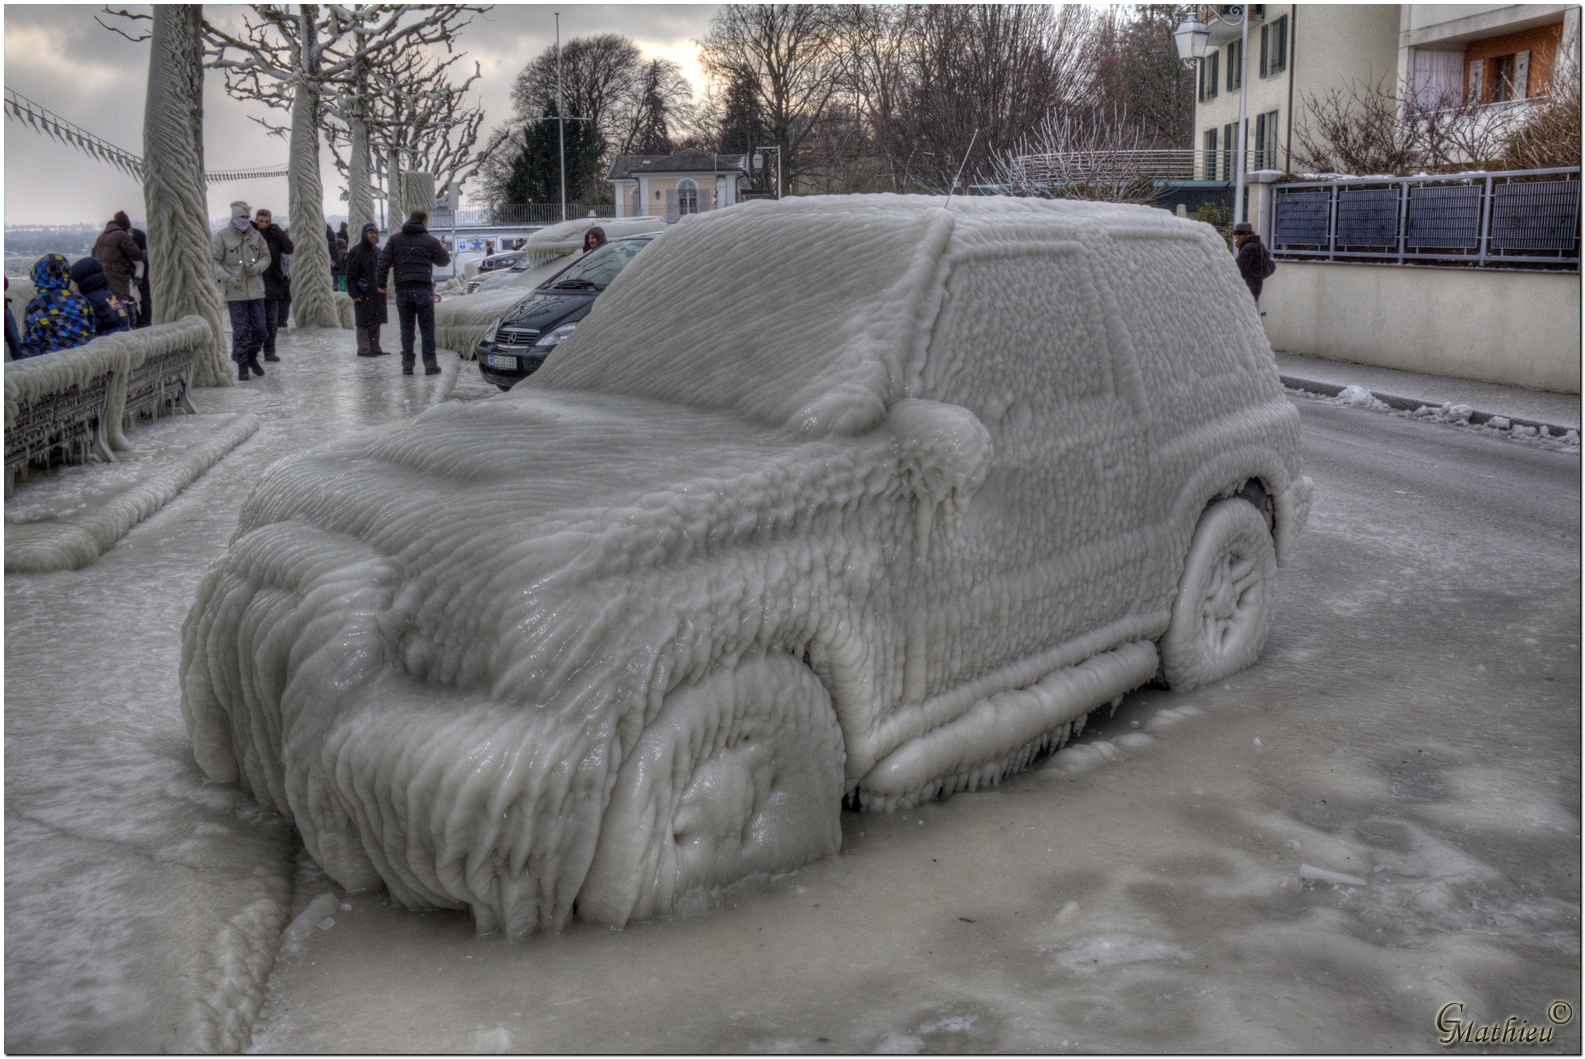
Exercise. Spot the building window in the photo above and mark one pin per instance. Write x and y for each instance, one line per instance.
(1235, 65)
(1229, 148)
(1274, 47)
(1499, 78)
(687, 197)
(1210, 154)
(1266, 140)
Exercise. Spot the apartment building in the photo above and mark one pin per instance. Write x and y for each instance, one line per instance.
(1485, 53)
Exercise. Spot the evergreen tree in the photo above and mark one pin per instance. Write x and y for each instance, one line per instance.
(535, 172)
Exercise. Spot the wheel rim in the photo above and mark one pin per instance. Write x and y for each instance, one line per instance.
(1232, 597)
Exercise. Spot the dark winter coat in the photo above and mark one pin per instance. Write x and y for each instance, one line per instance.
(56, 318)
(363, 274)
(412, 252)
(1252, 259)
(110, 312)
(276, 286)
(117, 251)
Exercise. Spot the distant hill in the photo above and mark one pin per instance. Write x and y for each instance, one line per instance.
(73, 240)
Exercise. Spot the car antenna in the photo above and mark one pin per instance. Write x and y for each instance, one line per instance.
(962, 167)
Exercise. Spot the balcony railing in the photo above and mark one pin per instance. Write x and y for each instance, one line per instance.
(1516, 219)
(1164, 165)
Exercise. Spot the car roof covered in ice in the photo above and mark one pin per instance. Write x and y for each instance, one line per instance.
(806, 312)
(567, 237)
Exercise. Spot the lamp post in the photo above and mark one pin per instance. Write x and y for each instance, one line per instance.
(1192, 36)
(759, 163)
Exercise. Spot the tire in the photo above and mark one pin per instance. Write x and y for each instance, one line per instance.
(739, 774)
(1225, 598)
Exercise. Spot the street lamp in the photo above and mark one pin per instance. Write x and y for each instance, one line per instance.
(759, 163)
(1192, 36)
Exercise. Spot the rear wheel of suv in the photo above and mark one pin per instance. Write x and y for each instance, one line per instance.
(1225, 598)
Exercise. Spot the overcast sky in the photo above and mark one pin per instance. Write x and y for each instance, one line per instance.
(58, 56)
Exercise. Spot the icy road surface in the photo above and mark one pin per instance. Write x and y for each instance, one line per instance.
(1413, 724)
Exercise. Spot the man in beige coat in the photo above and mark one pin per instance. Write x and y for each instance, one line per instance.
(241, 258)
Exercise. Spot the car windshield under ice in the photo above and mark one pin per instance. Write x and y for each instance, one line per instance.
(597, 269)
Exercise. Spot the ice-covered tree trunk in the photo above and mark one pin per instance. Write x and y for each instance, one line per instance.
(395, 213)
(360, 195)
(313, 300)
(181, 276)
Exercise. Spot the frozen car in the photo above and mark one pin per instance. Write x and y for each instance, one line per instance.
(867, 496)
(517, 345)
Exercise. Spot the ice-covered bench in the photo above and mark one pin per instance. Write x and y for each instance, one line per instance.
(72, 403)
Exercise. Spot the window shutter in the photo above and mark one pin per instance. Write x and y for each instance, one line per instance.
(1265, 48)
(1260, 141)
(1215, 74)
(1477, 87)
(1521, 75)
(671, 206)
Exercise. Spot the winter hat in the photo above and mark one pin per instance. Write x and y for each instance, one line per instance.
(85, 267)
(367, 228)
(122, 219)
(1243, 228)
(52, 272)
(240, 209)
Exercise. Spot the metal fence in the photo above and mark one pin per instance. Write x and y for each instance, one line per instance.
(520, 213)
(1518, 219)
(1104, 165)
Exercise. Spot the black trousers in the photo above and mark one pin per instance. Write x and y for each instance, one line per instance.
(416, 305)
(274, 318)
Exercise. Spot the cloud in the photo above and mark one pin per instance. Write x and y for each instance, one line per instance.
(61, 57)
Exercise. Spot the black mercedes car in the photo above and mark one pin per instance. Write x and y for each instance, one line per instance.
(520, 341)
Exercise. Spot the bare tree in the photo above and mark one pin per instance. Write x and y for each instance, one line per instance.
(1087, 156)
(290, 60)
(1368, 129)
(785, 55)
(1550, 135)
(944, 88)
(659, 108)
(600, 78)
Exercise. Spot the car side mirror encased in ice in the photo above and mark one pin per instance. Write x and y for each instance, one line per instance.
(944, 453)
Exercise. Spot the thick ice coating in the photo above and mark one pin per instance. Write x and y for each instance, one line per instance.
(867, 496)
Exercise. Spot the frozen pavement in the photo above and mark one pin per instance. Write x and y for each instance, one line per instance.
(1414, 723)
(141, 899)
(1412, 388)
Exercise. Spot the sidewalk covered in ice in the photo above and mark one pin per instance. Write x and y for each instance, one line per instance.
(143, 903)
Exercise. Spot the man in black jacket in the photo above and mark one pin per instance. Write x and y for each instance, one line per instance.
(277, 288)
(413, 252)
(1254, 263)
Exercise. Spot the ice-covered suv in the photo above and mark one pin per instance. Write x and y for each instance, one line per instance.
(869, 497)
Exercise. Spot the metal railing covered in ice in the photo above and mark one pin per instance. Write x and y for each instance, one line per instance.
(1515, 219)
(517, 214)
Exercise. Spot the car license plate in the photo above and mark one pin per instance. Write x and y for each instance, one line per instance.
(497, 361)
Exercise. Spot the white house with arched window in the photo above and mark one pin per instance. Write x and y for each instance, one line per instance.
(675, 185)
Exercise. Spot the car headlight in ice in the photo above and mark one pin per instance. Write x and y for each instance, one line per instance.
(558, 336)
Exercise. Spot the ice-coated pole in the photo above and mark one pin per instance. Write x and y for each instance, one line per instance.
(561, 122)
(1243, 125)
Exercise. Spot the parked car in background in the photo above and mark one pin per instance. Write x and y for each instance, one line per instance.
(502, 260)
(524, 336)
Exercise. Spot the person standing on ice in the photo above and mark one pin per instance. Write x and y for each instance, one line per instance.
(413, 253)
(143, 310)
(277, 290)
(119, 253)
(241, 258)
(55, 318)
(363, 277)
(1254, 262)
(110, 313)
